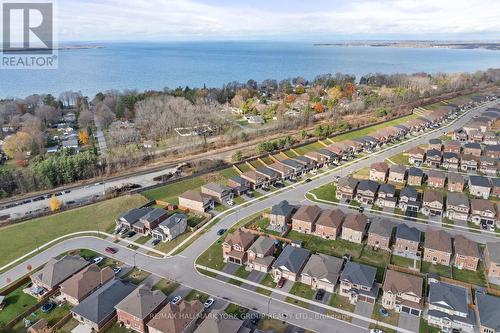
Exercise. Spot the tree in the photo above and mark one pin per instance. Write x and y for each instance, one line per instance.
(319, 108)
(237, 156)
(83, 137)
(85, 119)
(54, 204)
(303, 134)
(334, 93)
(21, 142)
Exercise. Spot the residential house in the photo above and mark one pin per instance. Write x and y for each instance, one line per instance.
(130, 218)
(460, 136)
(488, 166)
(318, 159)
(220, 322)
(281, 215)
(235, 246)
(492, 260)
(346, 188)
(180, 318)
(255, 179)
(238, 185)
(139, 307)
(386, 197)
(195, 201)
(322, 272)
(150, 221)
(397, 173)
(298, 168)
(436, 179)
(271, 175)
(218, 192)
(309, 164)
(82, 284)
(495, 184)
(99, 308)
(483, 212)
(433, 158)
(40, 326)
(457, 207)
(456, 182)
(487, 312)
(492, 151)
(451, 161)
(407, 241)
(415, 176)
(403, 293)
(475, 137)
(473, 149)
(416, 156)
(452, 146)
(467, 253)
(469, 163)
(260, 254)
(329, 223)
(56, 271)
(432, 203)
(354, 227)
(328, 154)
(380, 234)
(366, 191)
(491, 139)
(357, 283)
(378, 171)
(171, 228)
(479, 186)
(408, 199)
(449, 307)
(290, 263)
(283, 170)
(305, 218)
(437, 247)
(436, 144)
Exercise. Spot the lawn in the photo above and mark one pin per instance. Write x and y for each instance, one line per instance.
(171, 192)
(442, 270)
(301, 290)
(341, 302)
(336, 248)
(404, 262)
(308, 148)
(33, 233)
(268, 282)
(241, 272)
(236, 311)
(166, 247)
(230, 172)
(473, 277)
(195, 294)
(326, 192)
(362, 173)
(401, 158)
(392, 319)
(212, 257)
(426, 328)
(136, 276)
(70, 325)
(52, 317)
(379, 259)
(116, 328)
(267, 324)
(15, 303)
(166, 286)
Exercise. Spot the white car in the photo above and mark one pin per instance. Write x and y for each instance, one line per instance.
(97, 260)
(376, 330)
(176, 300)
(208, 303)
(230, 202)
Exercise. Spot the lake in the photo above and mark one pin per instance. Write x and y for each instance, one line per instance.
(158, 65)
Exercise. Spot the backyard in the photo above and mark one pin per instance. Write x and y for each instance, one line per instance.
(15, 303)
(326, 192)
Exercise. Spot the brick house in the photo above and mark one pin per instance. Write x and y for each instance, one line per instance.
(82, 284)
(493, 151)
(281, 215)
(219, 193)
(436, 179)
(238, 185)
(136, 310)
(433, 158)
(467, 253)
(378, 171)
(407, 241)
(456, 182)
(329, 223)
(357, 283)
(473, 149)
(452, 146)
(305, 218)
(397, 173)
(260, 254)
(283, 170)
(290, 263)
(354, 227)
(492, 259)
(415, 176)
(271, 175)
(180, 318)
(380, 234)
(322, 272)
(483, 212)
(346, 188)
(416, 156)
(366, 191)
(195, 201)
(255, 179)
(451, 161)
(469, 163)
(457, 207)
(432, 203)
(235, 246)
(479, 186)
(403, 293)
(435, 144)
(437, 247)
(488, 166)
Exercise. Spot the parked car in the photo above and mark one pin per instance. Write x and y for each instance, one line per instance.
(58, 194)
(123, 231)
(308, 180)
(221, 232)
(131, 233)
(111, 250)
(67, 191)
(281, 283)
(117, 270)
(230, 202)
(209, 302)
(176, 300)
(336, 179)
(97, 260)
(279, 185)
(155, 242)
(361, 209)
(376, 330)
(319, 294)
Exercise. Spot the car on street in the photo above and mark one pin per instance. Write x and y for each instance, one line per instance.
(279, 185)
(361, 209)
(111, 250)
(176, 300)
(97, 260)
(336, 179)
(376, 330)
(220, 232)
(308, 180)
(67, 191)
(319, 294)
(117, 270)
(208, 303)
(281, 283)
(58, 194)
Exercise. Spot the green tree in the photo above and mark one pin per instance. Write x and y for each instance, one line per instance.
(237, 156)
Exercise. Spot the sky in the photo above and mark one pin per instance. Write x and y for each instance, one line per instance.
(287, 20)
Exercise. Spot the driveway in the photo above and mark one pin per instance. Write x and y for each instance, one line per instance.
(325, 300)
(409, 322)
(254, 276)
(286, 288)
(228, 268)
(363, 309)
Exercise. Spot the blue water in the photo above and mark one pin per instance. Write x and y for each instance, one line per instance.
(158, 65)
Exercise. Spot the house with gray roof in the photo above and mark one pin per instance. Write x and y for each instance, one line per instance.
(322, 272)
(218, 192)
(488, 312)
(271, 175)
(328, 154)
(366, 191)
(150, 221)
(281, 215)
(129, 218)
(380, 234)
(290, 263)
(449, 307)
(260, 254)
(386, 197)
(57, 271)
(480, 186)
(309, 164)
(408, 199)
(357, 283)
(407, 241)
(171, 228)
(298, 168)
(99, 308)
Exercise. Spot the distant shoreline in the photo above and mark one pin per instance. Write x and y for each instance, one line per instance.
(60, 48)
(493, 46)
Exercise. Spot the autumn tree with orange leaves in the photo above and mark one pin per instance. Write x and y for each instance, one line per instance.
(83, 137)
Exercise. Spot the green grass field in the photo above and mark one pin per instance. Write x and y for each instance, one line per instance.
(171, 192)
(268, 282)
(15, 303)
(301, 290)
(326, 192)
(28, 235)
(335, 248)
(310, 147)
(166, 286)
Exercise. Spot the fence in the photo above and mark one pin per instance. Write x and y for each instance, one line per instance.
(61, 322)
(28, 311)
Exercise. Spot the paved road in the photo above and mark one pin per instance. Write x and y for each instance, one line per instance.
(181, 267)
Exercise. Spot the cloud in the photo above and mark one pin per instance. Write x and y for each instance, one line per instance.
(273, 19)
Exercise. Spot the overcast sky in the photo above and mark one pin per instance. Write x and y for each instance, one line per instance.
(308, 20)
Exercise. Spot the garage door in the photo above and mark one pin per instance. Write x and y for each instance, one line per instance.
(405, 309)
(415, 312)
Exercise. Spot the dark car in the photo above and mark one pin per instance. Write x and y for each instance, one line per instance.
(279, 185)
(58, 194)
(220, 232)
(67, 191)
(308, 180)
(361, 209)
(155, 242)
(281, 283)
(131, 234)
(111, 250)
(319, 294)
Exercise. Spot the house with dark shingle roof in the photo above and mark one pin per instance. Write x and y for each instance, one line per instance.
(408, 199)
(433, 158)
(483, 212)
(457, 206)
(346, 188)
(260, 254)
(329, 223)
(432, 203)
(456, 182)
(386, 196)
(354, 227)
(235, 246)
(451, 161)
(403, 293)
(415, 176)
(281, 214)
(397, 173)
(467, 253)
(56, 271)
(305, 218)
(380, 234)
(322, 272)
(480, 186)
(437, 247)
(290, 263)
(488, 312)
(366, 191)
(99, 308)
(407, 241)
(357, 283)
